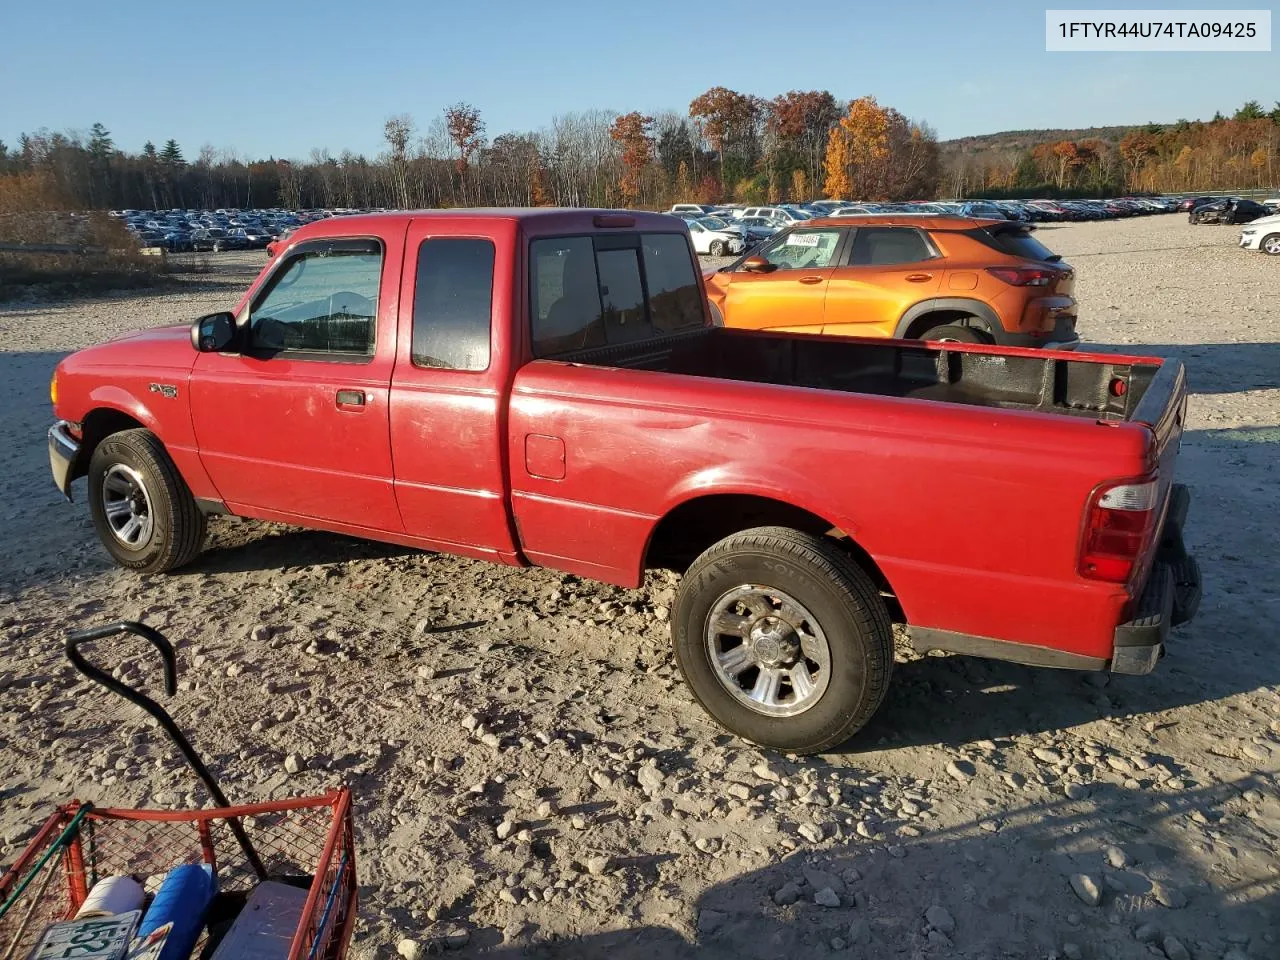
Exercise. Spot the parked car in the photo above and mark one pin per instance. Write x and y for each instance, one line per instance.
(759, 228)
(932, 278)
(697, 209)
(1187, 204)
(621, 431)
(716, 237)
(1262, 234)
(216, 240)
(785, 214)
(1228, 210)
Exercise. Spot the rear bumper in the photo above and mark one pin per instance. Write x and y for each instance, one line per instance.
(1062, 337)
(1170, 597)
(63, 451)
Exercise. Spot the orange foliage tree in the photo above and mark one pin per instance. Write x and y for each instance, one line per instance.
(632, 132)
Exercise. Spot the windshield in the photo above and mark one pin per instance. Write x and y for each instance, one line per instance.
(713, 223)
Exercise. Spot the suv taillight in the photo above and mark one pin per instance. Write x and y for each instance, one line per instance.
(1024, 276)
(1118, 525)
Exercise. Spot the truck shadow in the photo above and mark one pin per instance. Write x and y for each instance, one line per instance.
(1004, 885)
(1213, 367)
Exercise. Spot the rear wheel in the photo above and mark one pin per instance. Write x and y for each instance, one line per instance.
(717, 248)
(954, 333)
(1271, 245)
(142, 509)
(783, 639)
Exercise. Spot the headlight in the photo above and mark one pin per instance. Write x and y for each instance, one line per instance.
(53, 388)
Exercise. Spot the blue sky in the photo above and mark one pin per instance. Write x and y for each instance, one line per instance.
(278, 78)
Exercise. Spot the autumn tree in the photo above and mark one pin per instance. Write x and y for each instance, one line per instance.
(729, 121)
(1135, 148)
(631, 132)
(1068, 156)
(799, 122)
(466, 131)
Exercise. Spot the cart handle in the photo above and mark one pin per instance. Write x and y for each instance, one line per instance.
(77, 638)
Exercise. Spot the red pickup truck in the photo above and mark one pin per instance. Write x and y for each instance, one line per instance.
(546, 387)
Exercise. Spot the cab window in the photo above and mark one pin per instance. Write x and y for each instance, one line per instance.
(886, 246)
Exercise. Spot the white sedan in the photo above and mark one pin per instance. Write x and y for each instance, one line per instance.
(1262, 234)
(715, 237)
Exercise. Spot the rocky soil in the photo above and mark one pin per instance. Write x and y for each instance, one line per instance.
(532, 778)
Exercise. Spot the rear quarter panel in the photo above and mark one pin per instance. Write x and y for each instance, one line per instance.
(972, 514)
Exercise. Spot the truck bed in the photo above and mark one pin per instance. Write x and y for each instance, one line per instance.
(1094, 386)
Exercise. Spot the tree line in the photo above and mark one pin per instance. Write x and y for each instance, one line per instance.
(726, 146)
(1238, 152)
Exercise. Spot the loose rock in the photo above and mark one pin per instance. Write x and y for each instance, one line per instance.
(1086, 888)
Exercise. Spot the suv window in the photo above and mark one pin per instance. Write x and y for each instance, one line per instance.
(589, 292)
(885, 246)
(324, 300)
(802, 249)
(1016, 243)
(452, 303)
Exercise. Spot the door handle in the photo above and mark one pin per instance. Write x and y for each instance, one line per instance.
(812, 279)
(351, 398)
(919, 277)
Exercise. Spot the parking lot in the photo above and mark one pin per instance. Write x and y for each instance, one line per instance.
(977, 816)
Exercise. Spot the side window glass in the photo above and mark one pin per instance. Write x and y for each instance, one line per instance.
(803, 250)
(452, 304)
(565, 294)
(323, 301)
(886, 246)
(675, 302)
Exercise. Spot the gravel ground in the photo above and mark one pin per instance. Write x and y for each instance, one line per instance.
(532, 778)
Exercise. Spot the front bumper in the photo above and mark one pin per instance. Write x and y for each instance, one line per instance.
(64, 449)
(1250, 240)
(1170, 597)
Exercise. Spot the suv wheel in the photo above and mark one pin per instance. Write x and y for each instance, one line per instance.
(717, 248)
(954, 333)
(1271, 245)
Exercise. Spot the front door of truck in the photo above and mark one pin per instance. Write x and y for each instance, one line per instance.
(295, 426)
(791, 294)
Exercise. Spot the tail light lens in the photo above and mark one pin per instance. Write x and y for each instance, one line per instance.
(1024, 276)
(1118, 526)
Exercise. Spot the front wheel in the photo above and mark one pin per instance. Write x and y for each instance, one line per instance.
(783, 639)
(142, 509)
(717, 248)
(1271, 245)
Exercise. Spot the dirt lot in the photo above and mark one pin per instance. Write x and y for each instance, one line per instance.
(531, 776)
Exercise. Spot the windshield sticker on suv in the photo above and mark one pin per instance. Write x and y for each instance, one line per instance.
(803, 240)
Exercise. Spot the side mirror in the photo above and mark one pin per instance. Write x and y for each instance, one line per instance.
(214, 332)
(758, 265)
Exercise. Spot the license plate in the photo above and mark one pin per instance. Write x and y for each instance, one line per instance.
(95, 938)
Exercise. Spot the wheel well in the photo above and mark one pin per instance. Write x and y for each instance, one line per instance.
(942, 318)
(97, 426)
(696, 524)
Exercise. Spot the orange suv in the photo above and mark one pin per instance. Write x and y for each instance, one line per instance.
(912, 277)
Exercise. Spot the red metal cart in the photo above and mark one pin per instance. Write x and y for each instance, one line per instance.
(306, 842)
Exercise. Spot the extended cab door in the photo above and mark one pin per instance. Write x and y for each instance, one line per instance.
(888, 269)
(448, 398)
(295, 426)
(791, 296)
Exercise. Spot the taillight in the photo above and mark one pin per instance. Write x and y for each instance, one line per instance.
(1117, 527)
(1024, 276)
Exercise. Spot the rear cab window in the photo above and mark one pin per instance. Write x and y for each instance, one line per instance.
(593, 291)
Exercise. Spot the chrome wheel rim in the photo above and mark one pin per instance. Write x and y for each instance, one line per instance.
(1272, 245)
(127, 505)
(768, 651)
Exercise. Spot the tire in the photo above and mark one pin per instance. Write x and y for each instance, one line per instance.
(717, 248)
(217, 247)
(132, 471)
(1270, 244)
(954, 333)
(841, 612)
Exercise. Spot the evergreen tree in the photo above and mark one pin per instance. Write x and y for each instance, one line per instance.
(1252, 110)
(171, 155)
